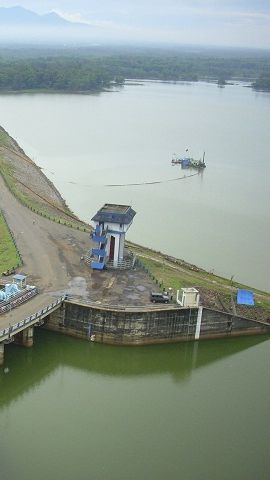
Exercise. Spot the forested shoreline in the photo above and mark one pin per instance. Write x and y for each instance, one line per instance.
(89, 69)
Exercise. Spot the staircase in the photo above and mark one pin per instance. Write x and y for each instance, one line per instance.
(97, 258)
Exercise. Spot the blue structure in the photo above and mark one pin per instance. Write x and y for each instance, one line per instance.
(245, 297)
(99, 252)
(11, 289)
(185, 163)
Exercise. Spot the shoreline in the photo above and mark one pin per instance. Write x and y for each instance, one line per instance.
(243, 82)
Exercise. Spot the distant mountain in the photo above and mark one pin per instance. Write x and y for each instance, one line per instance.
(21, 26)
(19, 16)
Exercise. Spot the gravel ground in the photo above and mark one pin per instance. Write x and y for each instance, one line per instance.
(219, 301)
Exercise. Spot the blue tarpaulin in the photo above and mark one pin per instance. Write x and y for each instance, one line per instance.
(245, 297)
(185, 162)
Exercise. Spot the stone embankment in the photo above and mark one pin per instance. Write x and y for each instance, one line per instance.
(29, 184)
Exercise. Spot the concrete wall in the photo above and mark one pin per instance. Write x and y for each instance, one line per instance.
(220, 324)
(129, 327)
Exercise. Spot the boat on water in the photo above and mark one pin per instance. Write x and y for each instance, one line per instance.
(189, 162)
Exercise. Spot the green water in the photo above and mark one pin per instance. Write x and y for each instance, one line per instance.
(70, 409)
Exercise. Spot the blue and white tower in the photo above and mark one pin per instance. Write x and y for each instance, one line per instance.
(111, 224)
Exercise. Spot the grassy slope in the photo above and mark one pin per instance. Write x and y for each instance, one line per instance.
(177, 277)
(8, 254)
(28, 198)
(170, 272)
(4, 140)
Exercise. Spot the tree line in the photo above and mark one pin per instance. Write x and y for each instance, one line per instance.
(94, 70)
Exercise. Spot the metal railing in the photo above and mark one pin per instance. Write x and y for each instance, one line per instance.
(125, 264)
(32, 319)
(17, 300)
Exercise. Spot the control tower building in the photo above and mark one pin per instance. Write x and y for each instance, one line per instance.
(111, 224)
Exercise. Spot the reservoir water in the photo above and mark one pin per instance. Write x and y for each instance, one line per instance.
(218, 220)
(72, 409)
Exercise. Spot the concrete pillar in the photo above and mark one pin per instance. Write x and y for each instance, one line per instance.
(2, 353)
(198, 325)
(107, 248)
(121, 246)
(116, 250)
(27, 337)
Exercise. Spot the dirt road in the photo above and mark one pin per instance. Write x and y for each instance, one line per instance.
(51, 254)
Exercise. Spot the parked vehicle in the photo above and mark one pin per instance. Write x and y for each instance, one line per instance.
(159, 298)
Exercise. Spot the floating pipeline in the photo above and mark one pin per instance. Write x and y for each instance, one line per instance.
(152, 183)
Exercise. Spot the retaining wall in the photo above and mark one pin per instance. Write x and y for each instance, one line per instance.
(148, 326)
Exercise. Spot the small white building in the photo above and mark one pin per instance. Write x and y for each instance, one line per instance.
(19, 280)
(111, 221)
(190, 297)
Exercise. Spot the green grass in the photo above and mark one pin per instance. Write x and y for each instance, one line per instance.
(165, 274)
(176, 276)
(4, 139)
(8, 254)
(170, 276)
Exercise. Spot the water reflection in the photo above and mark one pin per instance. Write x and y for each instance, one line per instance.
(26, 369)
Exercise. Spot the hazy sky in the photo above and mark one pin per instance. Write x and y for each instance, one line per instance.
(208, 22)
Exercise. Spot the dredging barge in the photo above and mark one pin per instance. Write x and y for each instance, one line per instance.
(189, 162)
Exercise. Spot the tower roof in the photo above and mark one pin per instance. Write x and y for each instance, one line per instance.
(112, 213)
